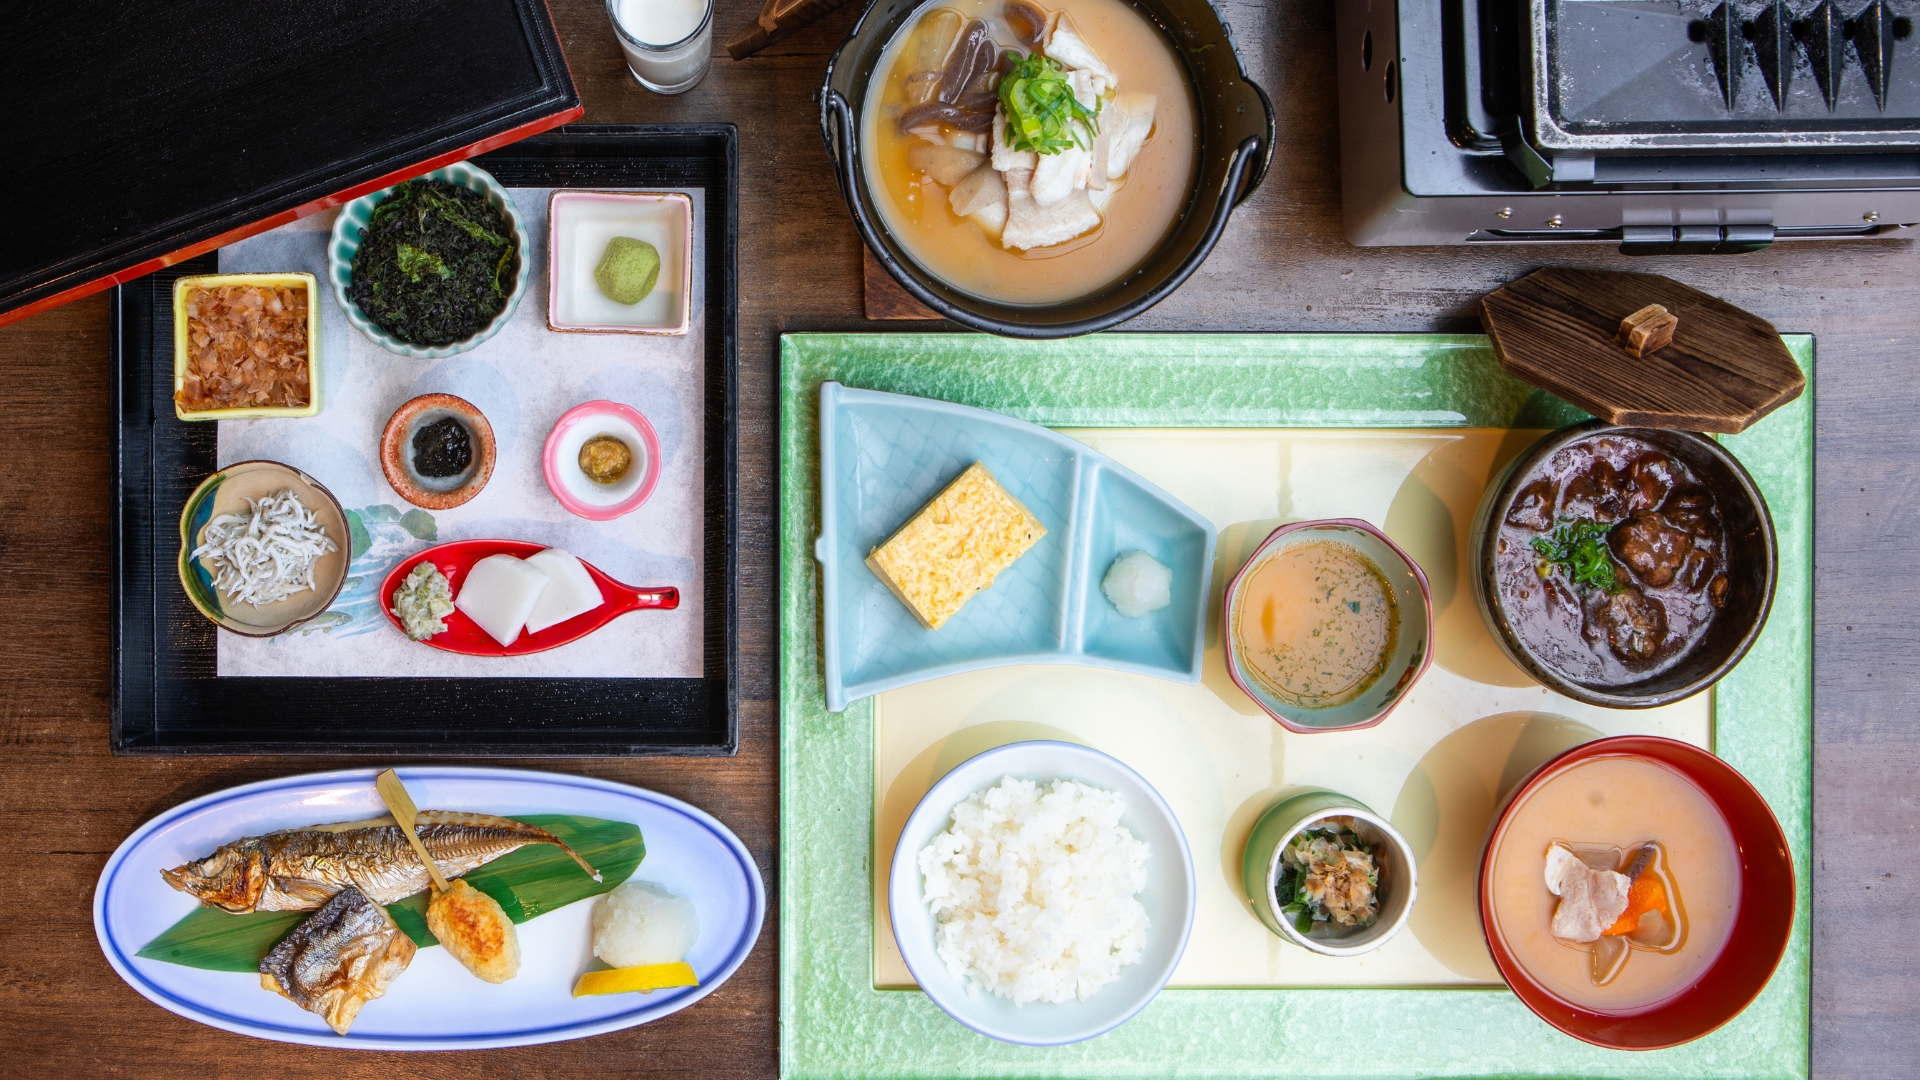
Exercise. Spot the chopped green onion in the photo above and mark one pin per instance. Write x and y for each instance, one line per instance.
(1042, 114)
(1580, 549)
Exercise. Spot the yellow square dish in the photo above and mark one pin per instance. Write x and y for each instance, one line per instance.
(209, 281)
(955, 546)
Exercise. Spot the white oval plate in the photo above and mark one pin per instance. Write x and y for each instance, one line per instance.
(435, 1004)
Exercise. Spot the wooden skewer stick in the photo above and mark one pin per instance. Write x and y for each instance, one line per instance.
(1648, 330)
(394, 793)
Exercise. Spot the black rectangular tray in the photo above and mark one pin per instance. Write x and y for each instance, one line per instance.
(139, 132)
(166, 696)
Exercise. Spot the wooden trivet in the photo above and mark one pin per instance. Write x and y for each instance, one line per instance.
(1557, 329)
(885, 298)
(777, 19)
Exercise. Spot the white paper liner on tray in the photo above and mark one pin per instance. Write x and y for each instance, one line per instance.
(523, 379)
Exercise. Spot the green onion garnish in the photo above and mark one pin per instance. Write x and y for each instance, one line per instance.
(1042, 114)
(1580, 549)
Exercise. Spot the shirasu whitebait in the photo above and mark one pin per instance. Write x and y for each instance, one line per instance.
(267, 554)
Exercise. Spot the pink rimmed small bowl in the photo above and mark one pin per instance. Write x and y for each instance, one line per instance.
(570, 484)
(1412, 647)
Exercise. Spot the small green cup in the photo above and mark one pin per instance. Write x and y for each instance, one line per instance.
(1260, 871)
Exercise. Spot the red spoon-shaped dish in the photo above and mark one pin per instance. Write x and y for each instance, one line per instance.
(464, 636)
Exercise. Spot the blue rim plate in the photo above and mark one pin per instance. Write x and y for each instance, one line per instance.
(435, 1004)
(883, 456)
(345, 241)
(1168, 897)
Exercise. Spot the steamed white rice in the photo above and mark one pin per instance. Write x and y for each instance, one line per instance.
(1032, 890)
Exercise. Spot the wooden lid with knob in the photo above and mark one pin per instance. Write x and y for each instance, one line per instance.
(1561, 329)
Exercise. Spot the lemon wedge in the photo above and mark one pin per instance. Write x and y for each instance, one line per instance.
(645, 979)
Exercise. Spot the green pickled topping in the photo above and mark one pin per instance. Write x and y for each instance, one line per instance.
(628, 270)
(423, 601)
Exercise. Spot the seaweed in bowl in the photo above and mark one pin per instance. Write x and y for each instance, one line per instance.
(435, 264)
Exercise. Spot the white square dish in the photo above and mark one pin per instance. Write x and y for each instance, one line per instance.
(579, 226)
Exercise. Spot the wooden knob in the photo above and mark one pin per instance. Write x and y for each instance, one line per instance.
(1648, 330)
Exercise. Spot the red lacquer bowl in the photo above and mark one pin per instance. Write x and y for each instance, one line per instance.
(464, 636)
(1761, 926)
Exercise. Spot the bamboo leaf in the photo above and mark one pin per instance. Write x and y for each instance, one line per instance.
(528, 883)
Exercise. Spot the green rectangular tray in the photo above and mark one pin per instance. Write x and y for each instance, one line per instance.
(833, 1023)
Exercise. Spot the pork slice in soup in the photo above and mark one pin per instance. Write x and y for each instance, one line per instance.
(1615, 883)
(1029, 154)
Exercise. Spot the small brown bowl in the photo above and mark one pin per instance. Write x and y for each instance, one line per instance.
(1752, 567)
(1763, 920)
(396, 452)
(228, 492)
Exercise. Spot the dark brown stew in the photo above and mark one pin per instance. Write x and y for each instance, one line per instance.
(1612, 560)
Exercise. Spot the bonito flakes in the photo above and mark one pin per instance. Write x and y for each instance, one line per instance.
(246, 348)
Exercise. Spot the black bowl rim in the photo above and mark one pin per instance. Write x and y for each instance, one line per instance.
(1499, 497)
(1248, 167)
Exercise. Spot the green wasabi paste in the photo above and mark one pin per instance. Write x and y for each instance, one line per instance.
(628, 270)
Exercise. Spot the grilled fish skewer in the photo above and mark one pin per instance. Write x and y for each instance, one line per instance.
(301, 869)
(470, 924)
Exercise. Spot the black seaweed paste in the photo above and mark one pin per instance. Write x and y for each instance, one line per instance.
(442, 448)
(435, 264)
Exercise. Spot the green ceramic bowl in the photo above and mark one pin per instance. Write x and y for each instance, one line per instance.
(345, 241)
(227, 492)
(1260, 872)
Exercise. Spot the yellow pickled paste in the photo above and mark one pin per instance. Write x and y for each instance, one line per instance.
(605, 459)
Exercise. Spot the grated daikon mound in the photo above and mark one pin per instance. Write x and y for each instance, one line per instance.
(1136, 584)
(642, 923)
(1032, 890)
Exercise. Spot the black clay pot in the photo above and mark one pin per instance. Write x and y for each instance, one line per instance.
(1752, 567)
(1236, 143)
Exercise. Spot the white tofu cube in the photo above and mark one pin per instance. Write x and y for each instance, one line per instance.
(498, 595)
(570, 590)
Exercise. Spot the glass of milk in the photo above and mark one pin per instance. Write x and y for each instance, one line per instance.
(668, 42)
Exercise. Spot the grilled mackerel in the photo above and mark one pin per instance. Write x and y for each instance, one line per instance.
(301, 869)
(338, 959)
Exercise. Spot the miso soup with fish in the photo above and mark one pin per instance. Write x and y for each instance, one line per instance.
(1029, 154)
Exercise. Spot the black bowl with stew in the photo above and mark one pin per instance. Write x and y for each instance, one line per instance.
(1625, 567)
(1231, 127)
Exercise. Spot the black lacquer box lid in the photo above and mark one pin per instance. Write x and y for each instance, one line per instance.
(139, 134)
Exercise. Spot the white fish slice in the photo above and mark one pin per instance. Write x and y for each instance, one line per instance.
(1065, 44)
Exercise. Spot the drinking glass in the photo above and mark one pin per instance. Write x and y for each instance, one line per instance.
(668, 43)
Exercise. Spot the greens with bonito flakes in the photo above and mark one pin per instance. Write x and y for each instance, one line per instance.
(1329, 875)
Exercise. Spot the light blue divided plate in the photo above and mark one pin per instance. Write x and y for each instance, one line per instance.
(882, 456)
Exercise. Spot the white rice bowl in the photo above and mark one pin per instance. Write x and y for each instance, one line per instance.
(1033, 891)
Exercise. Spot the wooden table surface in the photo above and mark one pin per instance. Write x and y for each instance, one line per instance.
(1282, 266)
